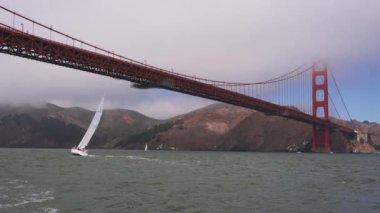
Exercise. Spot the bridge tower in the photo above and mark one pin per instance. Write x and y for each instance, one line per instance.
(321, 136)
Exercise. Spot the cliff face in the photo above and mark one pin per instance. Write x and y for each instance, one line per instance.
(216, 127)
(372, 128)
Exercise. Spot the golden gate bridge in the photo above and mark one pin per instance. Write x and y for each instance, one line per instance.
(302, 94)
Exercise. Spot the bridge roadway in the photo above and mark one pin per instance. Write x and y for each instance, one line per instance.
(18, 43)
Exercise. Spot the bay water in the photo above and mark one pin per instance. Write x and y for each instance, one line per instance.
(52, 180)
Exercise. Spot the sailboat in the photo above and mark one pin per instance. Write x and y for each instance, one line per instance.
(146, 147)
(80, 150)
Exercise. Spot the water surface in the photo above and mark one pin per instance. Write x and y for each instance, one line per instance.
(52, 180)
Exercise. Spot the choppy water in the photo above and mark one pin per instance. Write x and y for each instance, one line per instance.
(51, 180)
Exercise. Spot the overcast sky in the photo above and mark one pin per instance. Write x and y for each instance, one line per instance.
(240, 40)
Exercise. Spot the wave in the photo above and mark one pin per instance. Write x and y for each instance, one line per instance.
(16, 194)
(146, 159)
(16, 181)
(30, 198)
(49, 210)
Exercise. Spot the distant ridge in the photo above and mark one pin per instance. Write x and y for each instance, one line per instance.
(57, 127)
(214, 127)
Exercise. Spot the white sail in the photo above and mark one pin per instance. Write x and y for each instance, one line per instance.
(146, 147)
(91, 129)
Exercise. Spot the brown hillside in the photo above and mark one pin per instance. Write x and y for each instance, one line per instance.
(202, 129)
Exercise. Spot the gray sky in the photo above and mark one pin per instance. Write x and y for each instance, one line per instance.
(241, 40)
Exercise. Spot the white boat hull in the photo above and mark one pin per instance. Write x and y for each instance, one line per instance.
(78, 152)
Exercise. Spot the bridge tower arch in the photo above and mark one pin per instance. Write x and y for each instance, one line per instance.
(320, 105)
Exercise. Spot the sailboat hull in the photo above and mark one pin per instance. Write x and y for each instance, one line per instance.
(78, 152)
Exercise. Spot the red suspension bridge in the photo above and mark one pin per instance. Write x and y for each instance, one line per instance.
(290, 95)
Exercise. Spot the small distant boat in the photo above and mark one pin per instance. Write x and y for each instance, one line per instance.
(80, 150)
(146, 147)
(160, 147)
